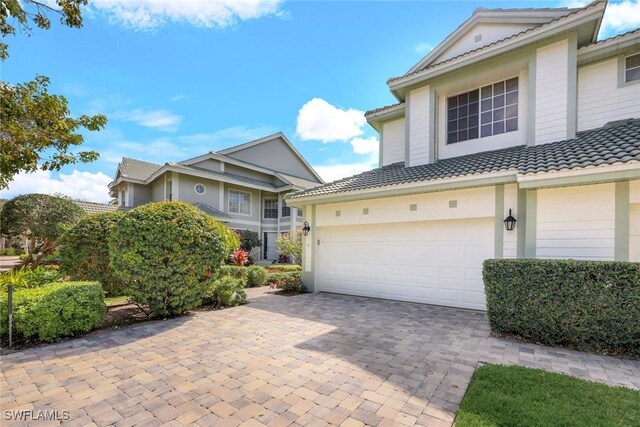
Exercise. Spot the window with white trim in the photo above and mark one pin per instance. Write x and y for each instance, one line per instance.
(632, 68)
(199, 189)
(271, 208)
(286, 210)
(239, 202)
(486, 111)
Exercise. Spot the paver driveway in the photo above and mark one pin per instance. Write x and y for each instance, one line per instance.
(304, 360)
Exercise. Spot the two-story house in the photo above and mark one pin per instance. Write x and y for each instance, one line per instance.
(519, 114)
(242, 186)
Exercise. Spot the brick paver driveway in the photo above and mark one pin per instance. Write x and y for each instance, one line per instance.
(304, 360)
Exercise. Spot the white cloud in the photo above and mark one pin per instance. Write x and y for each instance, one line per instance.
(78, 185)
(318, 120)
(365, 145)
(423, 48)
(618, 17)
(177, 98)
(150, 14)
(155, 119)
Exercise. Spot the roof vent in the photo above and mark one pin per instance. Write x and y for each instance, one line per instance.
(477, 38)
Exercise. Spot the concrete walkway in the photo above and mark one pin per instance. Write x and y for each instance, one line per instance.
(315, 359)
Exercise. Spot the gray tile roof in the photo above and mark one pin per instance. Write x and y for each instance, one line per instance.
(93, 207)
(617, 142)
(214, 174)
(137, 169)
(211, 210)
(382, 109)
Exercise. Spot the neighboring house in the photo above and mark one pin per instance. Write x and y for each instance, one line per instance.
(520, 112)
(94, 207)
(242, 186)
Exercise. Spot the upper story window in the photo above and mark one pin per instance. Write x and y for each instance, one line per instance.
(286, 210)
(271, 208)
(489, 110)
(239, 202)
(199, 188)
(632, 68)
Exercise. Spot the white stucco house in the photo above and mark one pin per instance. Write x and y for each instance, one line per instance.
(520, 112)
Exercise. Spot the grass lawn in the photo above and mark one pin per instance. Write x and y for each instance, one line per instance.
(115, 300)
(517, 396)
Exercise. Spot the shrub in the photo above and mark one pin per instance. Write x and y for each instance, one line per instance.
(17, 278)
(240, 273)
(256, 276)
(249, 240)
(588, 305)
(11, 252)
(40, 276)
(55, 311)
(226, 292)
(162, 252)
(290, 282)
(239, 257)
(84, 254)
(291, 247)
(277, 268)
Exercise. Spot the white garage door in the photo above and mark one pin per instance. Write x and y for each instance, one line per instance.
(434, 262)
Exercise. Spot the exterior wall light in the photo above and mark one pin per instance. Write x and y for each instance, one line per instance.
(306, 229)
(509, 222)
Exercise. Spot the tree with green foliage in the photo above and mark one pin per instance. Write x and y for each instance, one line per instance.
(249, 240)
(32, 121)
(25, 12)
(166, 254)
(291, 247)
(84, 251)
(40, 217)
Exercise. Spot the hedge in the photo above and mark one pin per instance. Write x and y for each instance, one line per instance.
(11, 252)
(84, 254)
(281, 268)
(235, 271)
(165, 254)
(226, 292)
(587, 305)
(55, 311)
(289, 281)
(256, 276)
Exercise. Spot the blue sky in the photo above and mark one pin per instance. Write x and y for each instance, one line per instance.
(176, 82)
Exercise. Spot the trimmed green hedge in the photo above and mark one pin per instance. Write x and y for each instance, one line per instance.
(256, 276)
(289, 281)
(226, 292)
(588, 305)
(55, 311)
(283, 268)
(235, 271)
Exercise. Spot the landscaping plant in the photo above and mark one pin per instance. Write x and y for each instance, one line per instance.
(291, 247)
(256, 276)
(55, 310)
(165, 254)
(41, 217)
(587, 305)
(239, 258)
(226, 292)
(84, 251)
(249, 240)
(290, 281)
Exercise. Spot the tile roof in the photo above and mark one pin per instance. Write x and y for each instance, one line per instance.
(137, 169)
(239, 178)
(382, 109)
(93, 207)
(211, 210)
(497, 42)
(617, 142)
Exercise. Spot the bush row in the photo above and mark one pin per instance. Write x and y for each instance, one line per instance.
(287, 281)
(588, 305)
(11, 252)
(55, 310)
(26, 278)
(279, 268)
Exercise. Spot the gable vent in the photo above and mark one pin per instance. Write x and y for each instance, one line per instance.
(478, 38)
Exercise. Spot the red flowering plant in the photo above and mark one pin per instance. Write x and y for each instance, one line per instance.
(240, 257)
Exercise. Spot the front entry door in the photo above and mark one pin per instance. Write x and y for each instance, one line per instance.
(270, 250)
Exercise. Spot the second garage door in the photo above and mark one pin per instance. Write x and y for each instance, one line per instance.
(434, 262)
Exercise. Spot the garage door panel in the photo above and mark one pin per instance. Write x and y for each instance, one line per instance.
(437, 262)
